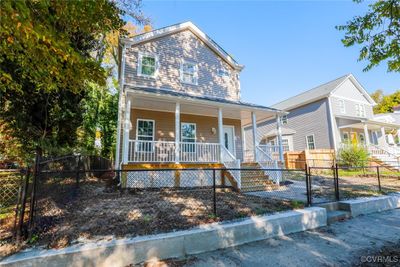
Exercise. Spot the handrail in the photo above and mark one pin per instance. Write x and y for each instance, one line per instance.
(382, 149)
(266, 162)
(230, 161)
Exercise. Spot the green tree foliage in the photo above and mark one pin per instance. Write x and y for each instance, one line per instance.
(378, 31)
(385, 103)
(353, 155)
(46, 64)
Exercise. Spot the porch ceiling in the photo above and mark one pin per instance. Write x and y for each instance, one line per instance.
(196, 107)
(371, 125)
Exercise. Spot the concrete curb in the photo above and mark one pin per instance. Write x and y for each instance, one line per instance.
(370, 205)
(177, 244)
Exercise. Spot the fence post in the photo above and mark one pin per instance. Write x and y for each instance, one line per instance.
(23, 205)
(379, 179)
(78, 171)
(214, 195)
(33, 193)
(307, 185)
(337, 182)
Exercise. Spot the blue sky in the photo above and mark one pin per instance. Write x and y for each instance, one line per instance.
(286, 46)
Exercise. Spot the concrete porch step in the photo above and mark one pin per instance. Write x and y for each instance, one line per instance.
(337, 215)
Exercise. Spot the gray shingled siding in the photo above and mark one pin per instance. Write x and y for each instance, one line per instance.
(306, 120)
(171, 50)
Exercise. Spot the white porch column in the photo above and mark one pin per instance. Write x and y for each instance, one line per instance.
(279, 130)
(127, 128)
(177, 131)
(398, 136)
(220, 133)
(254, 123)
(383, 136)
(366, 134)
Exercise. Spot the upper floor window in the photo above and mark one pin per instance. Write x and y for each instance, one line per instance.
(310, 142)
(223, 73)
(284, 119)
(342, 107)
(189, 72)
(147, 65)
(360, 110)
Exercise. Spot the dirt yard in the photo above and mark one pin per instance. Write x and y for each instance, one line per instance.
(67, 214)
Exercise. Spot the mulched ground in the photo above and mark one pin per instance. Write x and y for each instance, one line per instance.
(67, 214)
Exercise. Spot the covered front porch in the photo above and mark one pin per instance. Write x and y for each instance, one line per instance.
(162, 126)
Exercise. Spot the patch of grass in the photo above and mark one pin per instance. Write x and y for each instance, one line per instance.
(6, 212)
(296, 204)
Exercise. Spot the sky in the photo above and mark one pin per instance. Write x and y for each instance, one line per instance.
(287, 47)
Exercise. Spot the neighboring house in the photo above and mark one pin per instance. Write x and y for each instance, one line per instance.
(180, 104)
(326, 117)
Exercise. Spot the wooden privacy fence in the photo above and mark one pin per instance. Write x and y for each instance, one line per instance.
(313, 158)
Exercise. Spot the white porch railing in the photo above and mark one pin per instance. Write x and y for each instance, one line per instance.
(164, 151)
(198, 152)
(151, 151)
(231, 162)
(267, 162)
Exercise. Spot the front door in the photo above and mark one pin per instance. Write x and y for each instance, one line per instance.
(229, 141)
(354, 140)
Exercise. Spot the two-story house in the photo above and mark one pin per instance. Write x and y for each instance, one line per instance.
(180, 104)
(328, 116)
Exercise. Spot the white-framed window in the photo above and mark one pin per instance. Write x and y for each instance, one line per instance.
(188, 136)
(345, 137)
(310, 141)
(147, 65)
(189, 72)
(224, 73)
(342, 106)
(360, 110)
(145, 133)
(284, 119)
(361, 138)
(285, 144)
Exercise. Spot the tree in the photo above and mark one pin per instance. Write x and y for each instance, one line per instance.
(378, 31)
(385, 103)
(46, 64)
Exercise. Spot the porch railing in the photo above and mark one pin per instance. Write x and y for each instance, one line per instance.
(164, 151)
(267, 162)
(199, 152)
(231, 162)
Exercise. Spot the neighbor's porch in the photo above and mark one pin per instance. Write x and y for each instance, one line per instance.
(170, 129)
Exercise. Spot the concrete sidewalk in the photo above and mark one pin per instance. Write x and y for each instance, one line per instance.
(339, 244)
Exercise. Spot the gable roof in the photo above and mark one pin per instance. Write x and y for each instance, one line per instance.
(320, 92)
(145, 37)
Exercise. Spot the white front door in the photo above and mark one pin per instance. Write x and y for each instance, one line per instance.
(229, 138)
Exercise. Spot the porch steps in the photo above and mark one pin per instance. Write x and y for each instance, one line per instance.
(389, 163)
(255, 180)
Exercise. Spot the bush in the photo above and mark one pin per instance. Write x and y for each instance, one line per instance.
(353, 156)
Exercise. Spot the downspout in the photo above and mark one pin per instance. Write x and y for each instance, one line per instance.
(121, 92)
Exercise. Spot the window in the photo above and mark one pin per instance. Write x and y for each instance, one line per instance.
(223, 73)
(345, 137)
(310, 142)
(189, 72)
(361, 137)
(145, 132)
(147, 65)
(284, 119)
(285, 144)
(342, 107)
(360, 110)
(188, 135)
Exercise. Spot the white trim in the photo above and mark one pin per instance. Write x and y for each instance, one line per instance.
(233, 136)
(180, 27)
(139, 64)
(332, 124)
(195, 74)
(342, 106)
(315, 146)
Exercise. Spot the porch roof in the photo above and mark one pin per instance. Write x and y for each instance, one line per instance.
(358, 123)
(172, 93)
(164, 100)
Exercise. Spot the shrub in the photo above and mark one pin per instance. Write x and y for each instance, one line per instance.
(353, 156)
